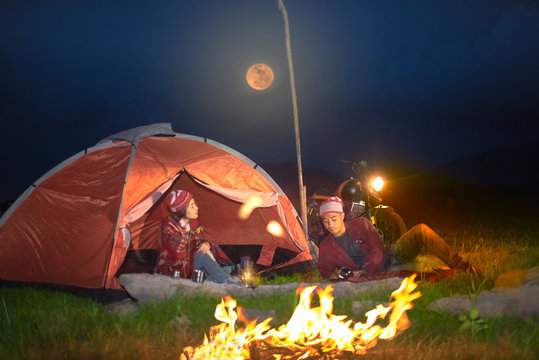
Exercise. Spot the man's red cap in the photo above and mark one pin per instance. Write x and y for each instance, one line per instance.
(331, 205)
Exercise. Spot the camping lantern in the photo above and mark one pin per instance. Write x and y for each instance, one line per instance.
(246, 272)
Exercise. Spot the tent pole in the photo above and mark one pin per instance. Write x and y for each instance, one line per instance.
(302, 191)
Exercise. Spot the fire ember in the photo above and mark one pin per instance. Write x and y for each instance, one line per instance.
(311, 333)
(252, 202)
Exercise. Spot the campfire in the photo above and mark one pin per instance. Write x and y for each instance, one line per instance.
(311, 333)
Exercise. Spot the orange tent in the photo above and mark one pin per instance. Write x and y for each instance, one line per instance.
(77, 223)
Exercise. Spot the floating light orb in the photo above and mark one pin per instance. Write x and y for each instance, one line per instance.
(275, 229)
(252, 202)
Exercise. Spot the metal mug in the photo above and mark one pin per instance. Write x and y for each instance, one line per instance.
(176, 274)
(198, 276)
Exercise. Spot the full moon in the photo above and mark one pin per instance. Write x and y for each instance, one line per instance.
(259, 76)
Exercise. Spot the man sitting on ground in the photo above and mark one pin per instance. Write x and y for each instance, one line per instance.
(357, 246)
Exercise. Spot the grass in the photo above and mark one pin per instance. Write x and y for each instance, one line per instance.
(39, 324)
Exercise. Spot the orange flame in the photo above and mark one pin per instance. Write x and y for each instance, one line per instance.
(308, 333)
(252, 202)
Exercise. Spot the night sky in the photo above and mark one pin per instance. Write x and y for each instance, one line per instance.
(409, 84)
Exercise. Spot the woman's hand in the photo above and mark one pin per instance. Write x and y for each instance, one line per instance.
(204, 248)
(358, 273)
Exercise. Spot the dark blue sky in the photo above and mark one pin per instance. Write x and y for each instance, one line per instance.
(399, 83)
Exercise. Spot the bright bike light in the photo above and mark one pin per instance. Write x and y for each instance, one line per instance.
(378, 183)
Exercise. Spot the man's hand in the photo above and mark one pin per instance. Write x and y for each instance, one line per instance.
(204, 248)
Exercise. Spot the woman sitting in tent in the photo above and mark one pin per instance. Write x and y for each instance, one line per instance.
(183, 247)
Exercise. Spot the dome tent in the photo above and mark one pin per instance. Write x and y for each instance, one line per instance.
(76, 224)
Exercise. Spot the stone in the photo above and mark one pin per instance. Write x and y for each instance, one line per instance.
(517, 277)
(147, 288)
(361, 307)
(504, 298)
(259, 315)
(518, 300)
(123, 307)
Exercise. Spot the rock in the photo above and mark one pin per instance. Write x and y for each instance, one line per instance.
(517, 300)
(259, 315)
(361, 307)
(123, 307)
(147, 288)
(532, 277)
(518, 277)
(503, 299)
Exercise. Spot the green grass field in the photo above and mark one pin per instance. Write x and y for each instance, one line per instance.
(40, 324)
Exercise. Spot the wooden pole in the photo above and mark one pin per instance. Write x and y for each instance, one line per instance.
(302, 191)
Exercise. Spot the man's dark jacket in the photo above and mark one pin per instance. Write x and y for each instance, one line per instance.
(364, 234)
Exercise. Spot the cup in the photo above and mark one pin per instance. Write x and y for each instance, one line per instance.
(198, 276)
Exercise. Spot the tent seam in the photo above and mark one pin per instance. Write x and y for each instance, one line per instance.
(115, 234)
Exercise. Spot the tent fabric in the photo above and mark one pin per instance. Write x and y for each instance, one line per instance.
(75, 224)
